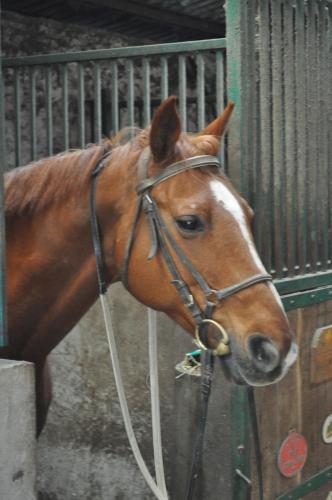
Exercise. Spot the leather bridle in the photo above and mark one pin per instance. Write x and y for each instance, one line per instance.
(162, 239)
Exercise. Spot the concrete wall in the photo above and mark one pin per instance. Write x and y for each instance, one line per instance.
(17, 431)
(83, 451)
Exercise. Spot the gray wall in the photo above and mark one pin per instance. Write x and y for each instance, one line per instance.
(83, 451)
(17, 431)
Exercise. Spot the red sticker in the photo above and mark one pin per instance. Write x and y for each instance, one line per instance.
(292, 454)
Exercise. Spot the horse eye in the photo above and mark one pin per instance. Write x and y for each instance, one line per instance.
(190, 224)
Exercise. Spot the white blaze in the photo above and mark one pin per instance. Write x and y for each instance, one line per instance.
(229, 202)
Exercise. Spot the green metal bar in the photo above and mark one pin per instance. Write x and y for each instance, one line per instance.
(200, 91)
(130, 97)
(236, 155)
(3, 319)
(300, 192)
(115, 98)
(303, 282)
(266, 222)
(49, 114)
(81, 105)
(164, 78)
(290, 131)
(97, 101)
(65, 127)
(322, 133)
(240, 440)
(220, 92)
(121, 52)
(183, 91)
(245, 104)
(146, 93)
(220, 87)
(311, 65)
(250, 88)
(234, 89)
(278, 139)
(33, 117)
(17, 93)
(329, 127)
(308, 486)
(307, 298)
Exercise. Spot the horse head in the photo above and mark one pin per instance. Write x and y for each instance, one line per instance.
(193, 214)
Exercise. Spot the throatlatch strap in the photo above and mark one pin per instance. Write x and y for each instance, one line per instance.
(96, 238)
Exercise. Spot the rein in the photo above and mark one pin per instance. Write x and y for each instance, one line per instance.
(162, 239)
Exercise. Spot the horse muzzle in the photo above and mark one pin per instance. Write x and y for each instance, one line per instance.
(264, 367)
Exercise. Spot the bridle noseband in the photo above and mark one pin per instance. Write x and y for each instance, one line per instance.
(162, 239)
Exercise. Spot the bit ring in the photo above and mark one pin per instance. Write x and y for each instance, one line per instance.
(223, 346)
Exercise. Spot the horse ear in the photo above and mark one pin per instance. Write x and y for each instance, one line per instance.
(165, 130)
(218, 126)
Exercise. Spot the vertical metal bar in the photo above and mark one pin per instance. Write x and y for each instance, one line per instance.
(131, 98)
(248, 179)
(311, 72)
(266, 110)
(290, 131)
(164, 77)
(115, 98)
(301, 188)
(33, 117)
(146, 93)
(17, 92)
(183, 91)
(236, 153)
(240, 442)
(220, 90)
(97, 101)
(65, 126)
(329, 125)
(245, 120)
(322, 132)
(49, 114)
(3, 320)
(234, 89)
(278, 138)
(81, 105)
(220, 94)
(200, 91)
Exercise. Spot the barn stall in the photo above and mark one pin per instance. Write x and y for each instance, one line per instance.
(275, 64)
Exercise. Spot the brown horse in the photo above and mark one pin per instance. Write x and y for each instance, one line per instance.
(51, 269)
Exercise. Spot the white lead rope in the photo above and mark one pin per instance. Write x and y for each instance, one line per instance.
(160, 489)
(155, 407)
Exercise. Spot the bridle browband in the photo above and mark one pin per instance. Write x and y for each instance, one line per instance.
(162, 239)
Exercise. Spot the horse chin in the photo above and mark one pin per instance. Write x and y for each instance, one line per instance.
(243, 373)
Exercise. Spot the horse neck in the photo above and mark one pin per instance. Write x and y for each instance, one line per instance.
(59, 263)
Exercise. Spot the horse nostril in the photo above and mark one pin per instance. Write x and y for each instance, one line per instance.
(265, 356)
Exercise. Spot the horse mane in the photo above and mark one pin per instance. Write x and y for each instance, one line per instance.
(34, 187)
